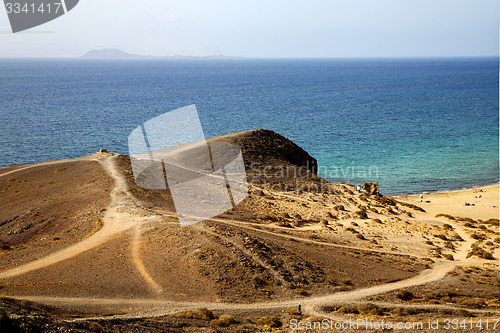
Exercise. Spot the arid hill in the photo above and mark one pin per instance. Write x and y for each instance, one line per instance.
(82, 236)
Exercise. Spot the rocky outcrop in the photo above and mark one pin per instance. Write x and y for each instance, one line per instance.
(370, 188)
(270, 148)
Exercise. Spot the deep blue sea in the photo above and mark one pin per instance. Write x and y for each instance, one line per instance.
(410, 124)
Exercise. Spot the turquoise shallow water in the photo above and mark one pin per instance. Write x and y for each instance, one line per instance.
(412, 125)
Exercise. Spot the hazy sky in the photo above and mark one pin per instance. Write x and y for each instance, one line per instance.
(265, 28)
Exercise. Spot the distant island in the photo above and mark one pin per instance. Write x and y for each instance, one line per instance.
(117, 54)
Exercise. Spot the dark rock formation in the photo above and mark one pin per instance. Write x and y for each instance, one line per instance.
(370, 188)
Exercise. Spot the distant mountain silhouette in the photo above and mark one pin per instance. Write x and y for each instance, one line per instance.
(110, 54)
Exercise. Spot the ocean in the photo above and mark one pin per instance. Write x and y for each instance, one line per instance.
(412, 125)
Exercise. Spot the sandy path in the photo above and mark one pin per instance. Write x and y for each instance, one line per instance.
(137, 250)
(311, 305)
(124, 214)
(436, 273)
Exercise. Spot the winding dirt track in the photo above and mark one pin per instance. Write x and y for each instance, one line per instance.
(125, 213)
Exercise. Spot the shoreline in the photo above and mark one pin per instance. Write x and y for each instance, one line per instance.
(468, 202)
(395, 195)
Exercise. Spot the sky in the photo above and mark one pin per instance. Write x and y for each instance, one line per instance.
(265, 29)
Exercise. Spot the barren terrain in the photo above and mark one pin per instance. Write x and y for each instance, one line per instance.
(82, 238)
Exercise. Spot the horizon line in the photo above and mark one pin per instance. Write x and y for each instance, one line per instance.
(223, 57)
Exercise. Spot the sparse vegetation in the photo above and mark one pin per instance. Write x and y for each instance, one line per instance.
(293, 312)
(448, 257)
(478, 236)
(271, 321)
(95, 327)
(346, 281)
(4, 245)
(405, 295)
(465, 219)
(202, 313)
(412, 206)
(493, 222)
(445, 215)
(479, 252)
(361, 214)
(441, 236)
(224, 321)
(301, 291)
(386, 201)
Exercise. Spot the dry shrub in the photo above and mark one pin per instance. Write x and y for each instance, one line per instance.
(441, 236)
(405, 295)
(465, 219)
(446, 215)
(448, 257)
(494, 222)
(369, 308)
(412, 206)
(361, 214)
(478, 236)
(301, 291)
(293, 312)
(386, 201)
(348, 309)
(4, 245)
(201, 313)
(95, 327)
(271, 321)
(360, 236)
(224, 321)
(480, 252)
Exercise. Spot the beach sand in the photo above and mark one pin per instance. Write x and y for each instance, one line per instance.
(453, 202)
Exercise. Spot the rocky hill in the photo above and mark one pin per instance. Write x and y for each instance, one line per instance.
(82, 236)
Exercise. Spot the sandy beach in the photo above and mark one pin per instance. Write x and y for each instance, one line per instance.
(484, 205)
